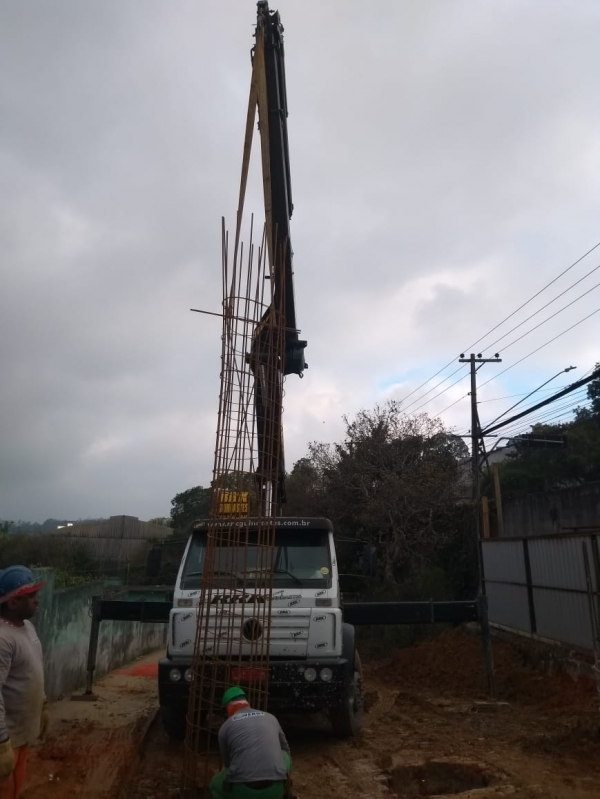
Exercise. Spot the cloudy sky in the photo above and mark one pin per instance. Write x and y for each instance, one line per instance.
(445, 167)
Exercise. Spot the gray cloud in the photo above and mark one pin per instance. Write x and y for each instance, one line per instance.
(445, 165)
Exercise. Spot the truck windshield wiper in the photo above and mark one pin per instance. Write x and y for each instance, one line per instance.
(297, 580)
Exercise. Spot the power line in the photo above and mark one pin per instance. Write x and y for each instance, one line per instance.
(452, 404)
(525, 304)
(539, 418)
(545, 422)
(524, 394)
(569, 390)
(552, 413)
(560, 310)
(456, 382)
(533, 352)
(485, 335)
(580, 394)
(558, 296)
(434, 388)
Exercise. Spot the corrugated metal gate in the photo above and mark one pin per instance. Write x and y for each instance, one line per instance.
(546, 586)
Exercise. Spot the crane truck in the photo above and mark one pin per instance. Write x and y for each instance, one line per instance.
(313, 662)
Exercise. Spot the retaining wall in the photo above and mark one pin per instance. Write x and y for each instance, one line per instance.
(63, 623)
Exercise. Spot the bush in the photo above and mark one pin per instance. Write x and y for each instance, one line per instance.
(71, 559)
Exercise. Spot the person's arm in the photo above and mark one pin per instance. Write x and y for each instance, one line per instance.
(7, 757)
(6, 655)
(223, 745)
(283, 741)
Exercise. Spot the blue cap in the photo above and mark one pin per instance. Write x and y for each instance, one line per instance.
(16, 581)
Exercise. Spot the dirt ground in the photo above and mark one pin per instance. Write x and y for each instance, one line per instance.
(425, 734)
(91, 745)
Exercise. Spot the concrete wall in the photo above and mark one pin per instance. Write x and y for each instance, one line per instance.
(120, 538)
(553, 511)
(63, 623)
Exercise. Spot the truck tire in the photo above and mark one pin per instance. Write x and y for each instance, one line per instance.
(346, 720)
(173, 721)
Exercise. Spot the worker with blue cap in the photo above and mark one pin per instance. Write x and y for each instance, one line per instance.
(254, 751)
(23, 707)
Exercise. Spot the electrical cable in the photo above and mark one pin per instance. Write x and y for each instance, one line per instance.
(545, 422)
(524, 394)
(564, 308)
(456, 382)
(434, 388)
(485, 335)
(543, 417)
(541, 347)
(550, 410)
(558, 296)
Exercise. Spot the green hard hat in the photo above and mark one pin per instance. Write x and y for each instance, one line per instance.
(235, 692)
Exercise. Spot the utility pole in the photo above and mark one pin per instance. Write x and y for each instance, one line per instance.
(473, 360)
(486, 637)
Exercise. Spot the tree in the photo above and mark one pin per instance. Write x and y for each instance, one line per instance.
(164, 521)
(390, 482)
(190, 505)
(573, 461)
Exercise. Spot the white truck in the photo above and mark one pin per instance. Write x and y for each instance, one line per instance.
(313, 662)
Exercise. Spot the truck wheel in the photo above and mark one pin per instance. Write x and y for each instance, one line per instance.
(173, 720)
(346, 720)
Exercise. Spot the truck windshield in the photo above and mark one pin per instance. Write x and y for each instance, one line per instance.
(300, 559)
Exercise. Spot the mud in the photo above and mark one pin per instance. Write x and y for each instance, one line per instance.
(422, 736)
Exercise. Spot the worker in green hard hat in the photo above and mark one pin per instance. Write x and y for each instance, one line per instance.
(254, 751)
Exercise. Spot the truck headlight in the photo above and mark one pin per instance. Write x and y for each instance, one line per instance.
(310, 674)
(326, 675)
(174, 675)
(188, 675)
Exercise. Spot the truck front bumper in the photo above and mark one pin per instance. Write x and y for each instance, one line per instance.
(289, 688)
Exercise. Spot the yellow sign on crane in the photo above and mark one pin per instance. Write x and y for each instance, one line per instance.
(233, 503)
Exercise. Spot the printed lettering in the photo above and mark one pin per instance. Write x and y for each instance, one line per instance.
(322, 645)
(237, 599)
(319, 618)
(185, 643)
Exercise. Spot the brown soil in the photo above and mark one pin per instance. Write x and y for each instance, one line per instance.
(422, 736)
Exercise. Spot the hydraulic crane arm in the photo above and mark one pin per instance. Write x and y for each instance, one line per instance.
(278, 185)
(276, 348)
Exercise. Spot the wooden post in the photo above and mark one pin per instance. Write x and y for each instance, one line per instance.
(498, 495)
(485, 513)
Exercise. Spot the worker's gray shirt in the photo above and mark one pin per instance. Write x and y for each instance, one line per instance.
(21, 683)
(251, 742)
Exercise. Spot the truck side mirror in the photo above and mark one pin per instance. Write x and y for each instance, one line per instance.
(369, 560)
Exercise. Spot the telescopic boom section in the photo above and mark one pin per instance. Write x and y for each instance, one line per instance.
(280, 189)
(277, 349)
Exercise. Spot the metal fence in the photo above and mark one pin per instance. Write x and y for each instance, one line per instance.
(547, 586)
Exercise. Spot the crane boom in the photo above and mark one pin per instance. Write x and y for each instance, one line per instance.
(271, 97)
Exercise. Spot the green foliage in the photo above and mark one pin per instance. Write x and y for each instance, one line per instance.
(164, 521)
(393, 482)
(577, 461)
(70, 558)
(190, 505)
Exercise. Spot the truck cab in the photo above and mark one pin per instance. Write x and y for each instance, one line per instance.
(313, 664)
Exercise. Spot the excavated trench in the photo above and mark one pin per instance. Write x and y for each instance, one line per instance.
(437, 778)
